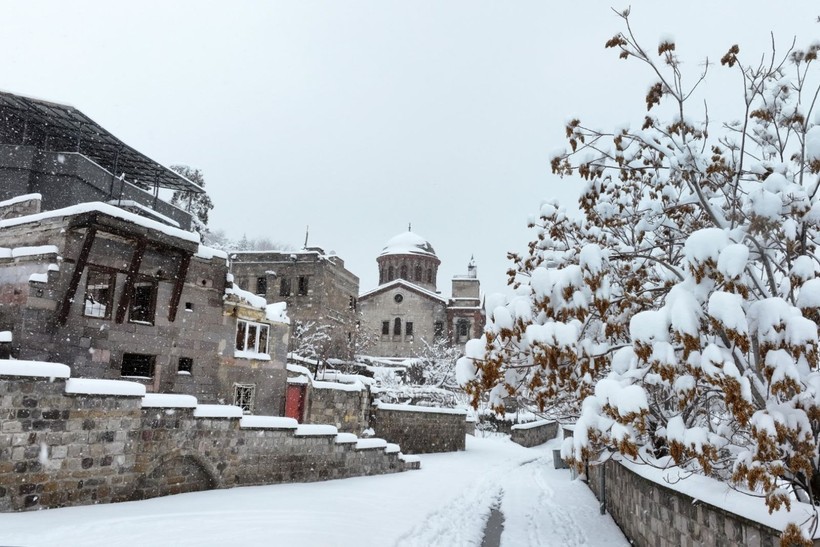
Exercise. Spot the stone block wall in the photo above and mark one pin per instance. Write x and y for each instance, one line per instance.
(650, 514)
(420, 429)
(347, 406)
(61, 450)
(534, 433)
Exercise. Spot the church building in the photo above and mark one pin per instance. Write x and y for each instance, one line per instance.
(407, 309)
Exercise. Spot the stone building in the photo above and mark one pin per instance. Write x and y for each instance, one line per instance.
(316, 286)
(408, 311)
(102, 275)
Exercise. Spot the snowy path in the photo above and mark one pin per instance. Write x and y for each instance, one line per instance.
(445, 504)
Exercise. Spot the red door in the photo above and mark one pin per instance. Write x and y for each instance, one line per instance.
(295, 402)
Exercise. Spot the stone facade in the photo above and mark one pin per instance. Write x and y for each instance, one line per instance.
(346, 406)
(421, 430)
(534, 433)
(112, 294)
(407, 310)
(651, 514)
(59, 450)
(315, 285)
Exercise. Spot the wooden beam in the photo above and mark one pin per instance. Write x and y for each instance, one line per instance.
(131, 276)
(76, 275)
(176, 294)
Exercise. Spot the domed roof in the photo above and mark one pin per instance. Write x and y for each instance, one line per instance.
(408, 243)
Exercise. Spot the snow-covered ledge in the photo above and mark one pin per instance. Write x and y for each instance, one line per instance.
(168, 400)
(218, 411)
(315, 430)
(34, 369)
(88, 386)
(267, 422)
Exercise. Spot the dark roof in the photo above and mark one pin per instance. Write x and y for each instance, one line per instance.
(59, 127)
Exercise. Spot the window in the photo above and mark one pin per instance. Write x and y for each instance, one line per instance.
(303, 285)
(251, 337)
(99, 293)
(185, 365)
(398, 299)
(390, 273)
(261, 286)
(352, 304)
(243, 396)
(284, 286)
(438, 329)
(397, 327)
(136, 364)
(385, 327)
(463, 329)
(429, 275)
(143, 302)
(418, 273)
(408, 328)
(189, 306)
(403, 271)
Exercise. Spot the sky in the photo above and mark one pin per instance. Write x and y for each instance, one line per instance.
(357, 118)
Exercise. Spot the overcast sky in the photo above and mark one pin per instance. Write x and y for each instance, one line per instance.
(359, 117)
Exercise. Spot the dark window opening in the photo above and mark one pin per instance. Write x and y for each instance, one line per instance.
(251, 337)
(463, 329)
(136, 364)
(390, 273)
(303, 285)
(438, 329)
(261, 286)
(352, 304)
(189, 306)
(403, 274)
(143, 303)
(398, 299)
(284, 286)
(397, 327)
(408, 328)
(99, 293)
(418, 273)
(185, 365)
(385, 327)
(429, 275)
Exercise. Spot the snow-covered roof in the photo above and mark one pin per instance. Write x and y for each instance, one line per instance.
(408, 243)
(405, 284)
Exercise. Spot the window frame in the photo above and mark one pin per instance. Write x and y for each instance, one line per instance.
(262, 285)
(244, 396)
(386, 328)
(112, 284)
(304, 285)
(408, 329)
(151, 363)
(245, 327)
(143, 281)
(397, 326)
(284, 286)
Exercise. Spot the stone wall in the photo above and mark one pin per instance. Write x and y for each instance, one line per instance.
(420, 429)
(652, 514)
(59, 449)
(534, 433)
(347, 406)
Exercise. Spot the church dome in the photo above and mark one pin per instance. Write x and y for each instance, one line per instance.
(408, 243)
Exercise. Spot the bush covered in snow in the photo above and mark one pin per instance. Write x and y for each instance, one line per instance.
(679, 315)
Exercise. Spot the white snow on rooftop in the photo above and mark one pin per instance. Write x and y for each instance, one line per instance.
(32, 369)
(408, 243)
(20, 199)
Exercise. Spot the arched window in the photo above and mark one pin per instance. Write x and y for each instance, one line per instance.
(397, 327)
(390, 273)
(418, 273)
(403, 270)
(429, 275)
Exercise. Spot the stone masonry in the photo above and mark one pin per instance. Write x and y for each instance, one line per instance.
(347, 406)
(421, 429)
(61, 450)
(534, 433)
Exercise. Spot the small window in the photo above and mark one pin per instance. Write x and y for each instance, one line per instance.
(408, 328)
(429, 275)
(261, 286)
(398, 299)
(418, 273)
(185, 365)
(390, 273)
(397, 327)
(438, 329)
(137, 365)
(99, 293)
(463, 329)
(143, 302)
(243, 396)
(189, 306)
(251, 337)
(303, 285)
(352, 303)
(284, 286)
(403, 273)
(385, 327)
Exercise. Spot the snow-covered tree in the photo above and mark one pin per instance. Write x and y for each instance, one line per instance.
(198, 205)
(679, 315)
(310, 340)
(435, 365)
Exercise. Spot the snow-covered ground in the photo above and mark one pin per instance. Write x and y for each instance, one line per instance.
(445, 504)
